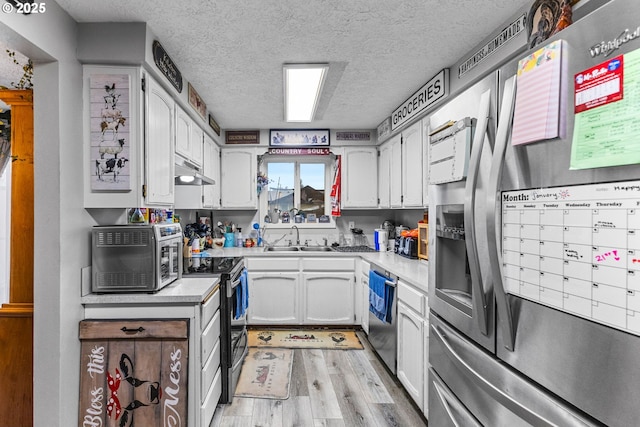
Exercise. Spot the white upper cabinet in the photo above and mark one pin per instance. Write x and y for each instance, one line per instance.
(384, 176)
(401, 165)
(395, 180)
(425, 161)
(359, 171)
(412, 166)
(197, 141)
(211, 160)
(239, 168)
(189, 137)
(159, 144)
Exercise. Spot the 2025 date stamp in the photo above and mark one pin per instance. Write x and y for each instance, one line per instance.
(24, 8)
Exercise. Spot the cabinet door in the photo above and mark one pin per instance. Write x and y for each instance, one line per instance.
(395, 173)
(384, 175)
(210, 165)
(412, 166)
(365, 302)
(238, 178)
(425, 161)
(328, 298)
(183, 133)
(359, 189)
(128, 362)
(130, 105)
(197, 140)
(411, 353)
(159, 145)
(425, 346)
(274, 298)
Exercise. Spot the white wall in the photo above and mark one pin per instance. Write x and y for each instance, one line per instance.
(61, 224)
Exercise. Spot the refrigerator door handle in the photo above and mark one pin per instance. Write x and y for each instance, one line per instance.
(479, 299)
(456, 411)
(491, 389)
(494, 208)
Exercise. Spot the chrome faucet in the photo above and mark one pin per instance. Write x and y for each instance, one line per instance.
(297, 234)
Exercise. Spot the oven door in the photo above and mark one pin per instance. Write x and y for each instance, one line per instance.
(169, 261)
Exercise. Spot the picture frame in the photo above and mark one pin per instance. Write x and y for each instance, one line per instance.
(196, 102)
(214, 125)
(110, 139)
(299, 138)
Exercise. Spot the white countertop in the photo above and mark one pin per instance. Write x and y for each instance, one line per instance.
(188, 290)
(415, 272)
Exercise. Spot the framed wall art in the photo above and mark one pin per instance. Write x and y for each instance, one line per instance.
(196, 102)
(299, 138)
(110, 139)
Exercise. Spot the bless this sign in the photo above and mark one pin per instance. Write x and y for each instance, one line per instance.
(436, 89)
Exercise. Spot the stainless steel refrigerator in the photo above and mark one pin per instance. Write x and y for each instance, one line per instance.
(527, 326)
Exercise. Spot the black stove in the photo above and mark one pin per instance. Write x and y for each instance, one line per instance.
(360, 248)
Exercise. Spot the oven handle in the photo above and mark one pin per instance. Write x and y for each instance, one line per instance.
(244, 352)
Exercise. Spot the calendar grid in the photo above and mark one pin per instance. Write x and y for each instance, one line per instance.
(576, 249)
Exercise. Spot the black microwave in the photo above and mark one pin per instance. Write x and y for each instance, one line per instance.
(135, 258)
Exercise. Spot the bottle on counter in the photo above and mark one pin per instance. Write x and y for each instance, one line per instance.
(239, 238)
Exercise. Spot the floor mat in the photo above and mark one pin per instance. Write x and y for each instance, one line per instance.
(266, 374)
(309, 338)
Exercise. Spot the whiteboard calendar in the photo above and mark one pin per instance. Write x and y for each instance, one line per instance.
(576, 249)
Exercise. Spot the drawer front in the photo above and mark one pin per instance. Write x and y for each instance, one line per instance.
(272, 264)
(209, 307)
(411, 297)
(209, 370)
(365, 266)
(328, 264)
(211, 400)
(133, 329)
(210, 336)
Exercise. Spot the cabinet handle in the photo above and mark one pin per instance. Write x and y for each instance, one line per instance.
(131, 331)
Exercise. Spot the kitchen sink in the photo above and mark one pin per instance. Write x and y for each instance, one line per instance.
(316, 249)
(299, 248)
(281, 249)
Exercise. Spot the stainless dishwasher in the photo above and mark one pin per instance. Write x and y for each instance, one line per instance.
(383, 336)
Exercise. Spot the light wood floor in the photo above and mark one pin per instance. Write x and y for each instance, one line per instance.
(329, 388)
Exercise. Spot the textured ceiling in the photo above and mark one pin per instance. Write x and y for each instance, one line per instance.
(379, 51)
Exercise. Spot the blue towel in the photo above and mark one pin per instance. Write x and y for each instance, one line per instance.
(380, 296)
(241, 302)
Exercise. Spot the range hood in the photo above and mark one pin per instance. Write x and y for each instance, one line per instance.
(186, 173)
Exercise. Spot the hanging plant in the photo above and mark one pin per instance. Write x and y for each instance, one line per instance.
(27, 72)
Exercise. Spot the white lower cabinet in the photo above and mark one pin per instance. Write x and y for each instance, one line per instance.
(204, 380)
(411, 353)
(413, 341)
(274, 298)
(329, 298)
(425, 346)
(301, 291)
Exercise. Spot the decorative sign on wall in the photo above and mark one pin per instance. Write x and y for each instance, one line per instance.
(435, 90)
(501, 39)
(167, 66)
(196, 102)
(300, 151)
(384, 129)
(299, 137)
(242, 136)
(353, 136)
(110, 141)
(214, 125)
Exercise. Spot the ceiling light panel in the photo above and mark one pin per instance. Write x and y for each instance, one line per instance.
(302, 88)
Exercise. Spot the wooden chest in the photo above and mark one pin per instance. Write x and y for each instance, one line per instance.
(133, 372)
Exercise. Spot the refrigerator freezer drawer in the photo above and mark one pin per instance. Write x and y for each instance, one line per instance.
(495, 394)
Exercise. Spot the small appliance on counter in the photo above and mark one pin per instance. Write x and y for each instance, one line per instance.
(135, 258)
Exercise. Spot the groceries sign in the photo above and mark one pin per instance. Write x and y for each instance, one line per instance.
(435, 90)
